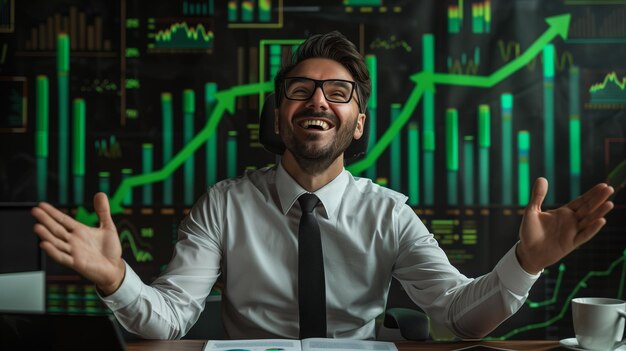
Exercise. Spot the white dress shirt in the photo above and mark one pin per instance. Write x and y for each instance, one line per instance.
(246, 229)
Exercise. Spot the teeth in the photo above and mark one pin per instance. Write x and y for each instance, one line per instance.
(314, 122)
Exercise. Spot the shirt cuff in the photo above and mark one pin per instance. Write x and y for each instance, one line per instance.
(513, 276)
(128, 291)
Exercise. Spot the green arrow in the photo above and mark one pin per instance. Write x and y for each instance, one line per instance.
(558, 27)
(426, 81)
(225, 102)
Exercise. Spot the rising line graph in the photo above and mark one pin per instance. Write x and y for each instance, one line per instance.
(424, 81)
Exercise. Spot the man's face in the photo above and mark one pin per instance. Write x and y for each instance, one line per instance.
(316, 132)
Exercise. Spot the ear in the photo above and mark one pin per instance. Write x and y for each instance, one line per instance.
(276, 122)
(360, 124)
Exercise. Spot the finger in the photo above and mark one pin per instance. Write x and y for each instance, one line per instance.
(103, 210)
(50, 223)
(593, 200)
(45, 235)
(540, 189)
(66, 221)
(599, 212)
(589, 232)
(588, 196)
(56, 254)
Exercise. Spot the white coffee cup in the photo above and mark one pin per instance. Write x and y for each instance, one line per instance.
(599, 322)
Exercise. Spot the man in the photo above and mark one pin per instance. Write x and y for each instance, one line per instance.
(247, 230)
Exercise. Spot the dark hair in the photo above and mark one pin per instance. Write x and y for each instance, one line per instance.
(334, 46)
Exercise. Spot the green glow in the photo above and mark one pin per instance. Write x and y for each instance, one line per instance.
(548, 119)
(63, 67)
(41, 136)
(452, 154)
(425, 81)
(396, 155)
(566, 304)
(413, 174)
(128, 199)
(104, 181)
(468, 170)
(428, 65)
(211, 144)
(189, 108)
(484, 144)
(574, 131)
(507, 149)
(146, 167)
(167, 132)
(78, 150)
(523, 170)
(231, 154)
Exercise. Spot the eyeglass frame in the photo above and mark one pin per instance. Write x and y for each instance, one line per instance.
(320, 83)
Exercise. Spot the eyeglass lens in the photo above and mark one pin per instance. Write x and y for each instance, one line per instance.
(303, 88)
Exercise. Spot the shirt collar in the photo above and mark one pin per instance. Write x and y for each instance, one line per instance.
(330, 195)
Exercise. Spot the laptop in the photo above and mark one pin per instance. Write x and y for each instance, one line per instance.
(57, 332)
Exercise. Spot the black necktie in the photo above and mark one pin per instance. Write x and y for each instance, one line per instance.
(311, 286)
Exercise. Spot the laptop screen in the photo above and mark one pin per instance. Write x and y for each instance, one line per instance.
(52, 332)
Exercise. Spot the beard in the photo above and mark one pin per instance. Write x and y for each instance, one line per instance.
(315, 159)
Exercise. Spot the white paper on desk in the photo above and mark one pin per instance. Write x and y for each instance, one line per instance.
(253, 345)
(312, 344)
(315, 344)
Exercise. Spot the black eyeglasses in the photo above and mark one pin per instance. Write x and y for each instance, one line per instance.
(334, 90)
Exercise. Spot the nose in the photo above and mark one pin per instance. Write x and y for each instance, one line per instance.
(317, 101)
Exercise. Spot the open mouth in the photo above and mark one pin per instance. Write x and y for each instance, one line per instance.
(315, 124)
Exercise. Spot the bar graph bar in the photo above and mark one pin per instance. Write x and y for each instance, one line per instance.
(395, 153)
(506, 101)
(147, 165)
(452, 154)
(41, 136)
(78, 151)
(104, 182)
(574, 131)
(128, 198)
(83, 36)
(233, 11)
(548, 118)
(210, 89)
(167, 114)
(481, 17)
(428, 49)
(468, 170)
(189, 109)
(455, 17)
(523, 172)
(265, 10)
(413, 173)
(231, 154)
(484, 145)
(63, 69)
(247, 10)
(372, 63)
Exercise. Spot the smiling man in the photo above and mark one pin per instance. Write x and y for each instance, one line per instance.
(308, 249)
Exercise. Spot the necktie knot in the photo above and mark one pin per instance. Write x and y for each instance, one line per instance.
(307, 202)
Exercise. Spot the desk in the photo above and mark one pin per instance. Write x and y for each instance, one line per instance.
(196, 345)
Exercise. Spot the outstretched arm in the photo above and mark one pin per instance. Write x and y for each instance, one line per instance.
(95, 253)
(547, 237)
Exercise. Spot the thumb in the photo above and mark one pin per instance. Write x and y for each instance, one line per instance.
(540, 189)
(101, 205)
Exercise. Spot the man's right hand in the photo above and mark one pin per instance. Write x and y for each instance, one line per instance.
(95, 253)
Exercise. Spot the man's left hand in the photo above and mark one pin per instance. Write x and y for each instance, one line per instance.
(547, 237)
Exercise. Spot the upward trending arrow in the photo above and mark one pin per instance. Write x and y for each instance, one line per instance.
(426, 80)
